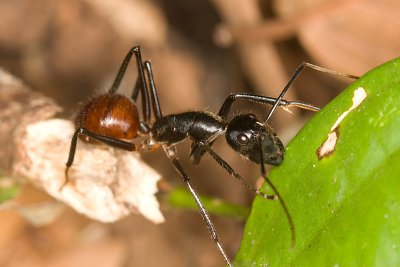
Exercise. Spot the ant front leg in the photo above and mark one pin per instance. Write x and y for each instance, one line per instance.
(172, 155)
(276, 195)
(232, 172)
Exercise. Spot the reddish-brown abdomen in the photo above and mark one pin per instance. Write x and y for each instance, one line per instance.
(111, 115)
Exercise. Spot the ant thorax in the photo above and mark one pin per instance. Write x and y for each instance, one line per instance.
(200, 126)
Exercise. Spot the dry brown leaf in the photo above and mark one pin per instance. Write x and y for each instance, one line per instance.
(351, 36)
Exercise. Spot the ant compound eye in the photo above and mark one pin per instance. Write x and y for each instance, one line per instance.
(242, 139)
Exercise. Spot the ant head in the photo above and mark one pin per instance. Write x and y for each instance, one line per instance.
(254, 140)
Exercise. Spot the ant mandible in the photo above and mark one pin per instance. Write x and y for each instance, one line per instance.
(113, 119)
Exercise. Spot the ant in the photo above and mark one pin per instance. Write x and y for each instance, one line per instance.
(112, 119)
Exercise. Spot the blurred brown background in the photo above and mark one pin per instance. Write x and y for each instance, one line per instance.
(201, 51)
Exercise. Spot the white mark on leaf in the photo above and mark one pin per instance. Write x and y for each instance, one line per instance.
(328, 147)
(358, 98)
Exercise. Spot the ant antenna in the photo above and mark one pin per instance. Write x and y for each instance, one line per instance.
(280, 101)
(280, 199)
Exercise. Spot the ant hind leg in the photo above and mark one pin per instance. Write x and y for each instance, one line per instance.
(102, 139)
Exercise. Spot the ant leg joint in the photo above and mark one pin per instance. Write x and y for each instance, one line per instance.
(269, 197)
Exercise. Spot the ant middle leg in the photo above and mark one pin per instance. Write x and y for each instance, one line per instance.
(172, 155)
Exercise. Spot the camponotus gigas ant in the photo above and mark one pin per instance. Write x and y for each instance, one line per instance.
(113, 119)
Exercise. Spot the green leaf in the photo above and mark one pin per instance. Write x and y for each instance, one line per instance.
(8, 193)
(345, 206)
(180, 197)
(8, 189)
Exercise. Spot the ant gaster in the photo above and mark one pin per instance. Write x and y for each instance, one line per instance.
(113, 119)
